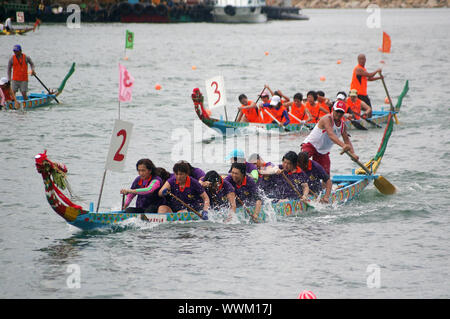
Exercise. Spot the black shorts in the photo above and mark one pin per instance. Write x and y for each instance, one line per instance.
(147, 210)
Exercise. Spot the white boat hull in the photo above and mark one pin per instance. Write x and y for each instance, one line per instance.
(242, 15)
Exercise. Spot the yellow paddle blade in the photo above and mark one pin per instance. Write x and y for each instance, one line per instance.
(384, 186)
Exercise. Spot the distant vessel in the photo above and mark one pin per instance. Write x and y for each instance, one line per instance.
(238, 11)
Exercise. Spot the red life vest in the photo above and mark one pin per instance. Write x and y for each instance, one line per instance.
(20, 68)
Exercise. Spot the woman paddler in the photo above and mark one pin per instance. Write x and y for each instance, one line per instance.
(245, 188)
(187, 190)
(146, 187)
(220, 192)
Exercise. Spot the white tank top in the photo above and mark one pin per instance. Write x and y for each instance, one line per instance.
(320, 139)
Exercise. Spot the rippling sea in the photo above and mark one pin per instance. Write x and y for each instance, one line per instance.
(328, 251)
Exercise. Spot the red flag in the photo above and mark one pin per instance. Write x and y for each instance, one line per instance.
(125, 84)
(386, 43)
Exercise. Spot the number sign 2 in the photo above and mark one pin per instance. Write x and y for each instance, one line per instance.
(215, 91)
(119, 145)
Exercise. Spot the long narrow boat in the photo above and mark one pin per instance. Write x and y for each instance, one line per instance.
(347, 187)
(21, 31)
(229, 127)
(36, 100)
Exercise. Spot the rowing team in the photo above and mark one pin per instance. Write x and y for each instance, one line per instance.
(280, 110)
(247, 183)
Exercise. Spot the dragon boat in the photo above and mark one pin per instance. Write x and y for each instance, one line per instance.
(21, 31)
(229, 127)
(36, 100)
(346, 187)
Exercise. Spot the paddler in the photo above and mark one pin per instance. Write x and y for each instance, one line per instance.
(146, 187)
(249, 110)
(8, 25)
(299, 185)
(244, 188)
(220, 192)
(326, 133)
(262, 166)
(315, 175)
(355, 105)
(298, 112)
(278, 111)
(314, 107)
(360, 77)
(18, 64)
(185, 188)
(7, 94)
(238, 156)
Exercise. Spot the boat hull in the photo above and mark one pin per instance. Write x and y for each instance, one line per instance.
(350, 187)
(35, 100)
(242, 15)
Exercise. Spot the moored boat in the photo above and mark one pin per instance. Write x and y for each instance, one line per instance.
(238, 11)
(36, 100)
(20, 31)
(228, 127)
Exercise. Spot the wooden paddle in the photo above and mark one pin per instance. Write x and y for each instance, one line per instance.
(296, 190)
(202, 216)
(372, 122)
(278, 122)
(46, 88)
(392, 109)
(381, 183)
(123, 201)
(255, 219)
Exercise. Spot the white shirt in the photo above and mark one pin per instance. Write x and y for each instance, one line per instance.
(8, 23)
(320, 140)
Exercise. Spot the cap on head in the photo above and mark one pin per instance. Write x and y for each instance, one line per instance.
(238, 153)
(275, 100)
(265, 93)
(339, 106)
(340, 96)
(17, 48)
(353, 92)
(254, 158)
(3, 81)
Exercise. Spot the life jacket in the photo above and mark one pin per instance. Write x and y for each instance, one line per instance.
(314, 110)
(20, 68)
(359, 82)
(355, 107)
(298, 112)
(252, 114)
(325, 106)
(278, 114)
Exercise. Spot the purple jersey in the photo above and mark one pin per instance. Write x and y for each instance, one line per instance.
(314, 175)
(148, 198)
(247, 191)
(197, 173)
(219, 199)
(190, 194)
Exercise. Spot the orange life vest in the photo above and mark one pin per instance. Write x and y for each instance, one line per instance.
(20, 68)
(355, 107)
(325, 106)
(252, 114)
(359, 82)
(298, 112)
(314, 110)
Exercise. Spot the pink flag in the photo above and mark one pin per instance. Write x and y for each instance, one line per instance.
(125, 84)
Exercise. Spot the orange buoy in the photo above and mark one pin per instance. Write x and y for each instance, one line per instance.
(194, 67)
(158, 87)
(386, 100)
(266, 53)
(382, 62)
(380, 49)
(208, 112)
(322, 78)
(125, 58)
(339, 62)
